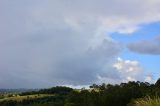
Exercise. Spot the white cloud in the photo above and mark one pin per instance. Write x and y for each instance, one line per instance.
(131, 70)
(149, 79)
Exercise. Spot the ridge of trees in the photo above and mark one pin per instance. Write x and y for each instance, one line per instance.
(113, 95)
(62, 90)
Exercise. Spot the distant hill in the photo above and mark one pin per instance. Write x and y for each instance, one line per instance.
(54, 96)
(16, 90)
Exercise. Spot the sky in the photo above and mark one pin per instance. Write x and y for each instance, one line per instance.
(45, 43)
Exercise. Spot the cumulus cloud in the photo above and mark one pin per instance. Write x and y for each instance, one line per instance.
(151, 47)
(49, 42)
(131, 70)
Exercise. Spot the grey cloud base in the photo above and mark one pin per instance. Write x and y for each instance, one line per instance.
(150, 47)
(59, 60)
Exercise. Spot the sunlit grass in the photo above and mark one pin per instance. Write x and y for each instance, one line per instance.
(20, 98)
(147, 101)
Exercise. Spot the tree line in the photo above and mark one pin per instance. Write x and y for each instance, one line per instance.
(98, 95)
(113, 95)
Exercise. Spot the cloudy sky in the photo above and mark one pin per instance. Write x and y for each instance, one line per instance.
(45, 43)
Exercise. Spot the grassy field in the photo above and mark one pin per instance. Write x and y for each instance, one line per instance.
(20, 98)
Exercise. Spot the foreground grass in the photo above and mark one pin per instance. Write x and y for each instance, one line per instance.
(146, 102)
(20, 98)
